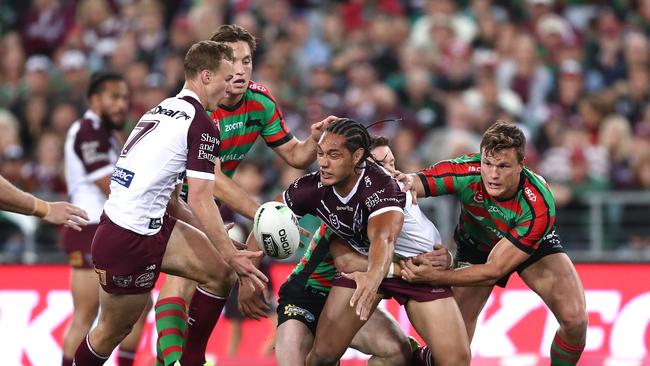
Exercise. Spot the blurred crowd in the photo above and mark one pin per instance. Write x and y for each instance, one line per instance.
(574, 74)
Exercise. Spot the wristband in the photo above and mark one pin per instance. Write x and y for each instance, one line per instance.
(41, 208)
(451, 264)
(391, 270)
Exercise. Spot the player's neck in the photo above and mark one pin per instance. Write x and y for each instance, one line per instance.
(232, 100)
(344, 188)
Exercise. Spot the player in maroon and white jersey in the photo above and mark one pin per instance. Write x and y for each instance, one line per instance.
(90, 152)
(137, 236)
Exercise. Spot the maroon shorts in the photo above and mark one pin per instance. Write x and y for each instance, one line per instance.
(76, 244)
(127, 262)
(401, 290)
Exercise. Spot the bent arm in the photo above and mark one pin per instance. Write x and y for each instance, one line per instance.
(298, 154)
(383, 231)
(347, 259)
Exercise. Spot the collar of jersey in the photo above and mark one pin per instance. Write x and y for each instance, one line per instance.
(233, 107)
(347, 198)
(90, 115)
(188, 93)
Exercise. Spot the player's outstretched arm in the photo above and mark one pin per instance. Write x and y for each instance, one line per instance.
(503, 258)
(383, 231)
(210, 222)
(14, 200)
(232, 195)
(300, 154)
(250, 303)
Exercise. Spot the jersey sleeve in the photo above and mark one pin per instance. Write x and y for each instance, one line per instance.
(389, 198)
(275, 132)
(300, 197)
(202, 147)
(446, 177)
(93, 149)
(532, 226)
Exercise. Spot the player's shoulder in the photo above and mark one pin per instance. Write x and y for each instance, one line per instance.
(180, 107)
(259, 92)
(536, 190)
(471, 162)
(88, 129)
(311, 180)
(376, 178)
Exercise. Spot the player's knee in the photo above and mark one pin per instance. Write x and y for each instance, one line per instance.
(574, 322)
(396, 349)
(458, 356)
(322, 354)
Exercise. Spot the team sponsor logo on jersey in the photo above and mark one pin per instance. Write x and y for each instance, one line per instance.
(496, 210)
(122, 281)
(256, 86)
(344, 208)
(291, 311)
(233, 126)
(232, 157)
(168, 112)
(368, 181)
(89, 152)
(122, 177)
(531, 196)
(472, 168)
(145, 279)
(254, 122)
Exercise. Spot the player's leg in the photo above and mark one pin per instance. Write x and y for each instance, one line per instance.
(337, 326)
(383, 339)
(189, 254)
(440, 324)
(129, 346)
(556, 281)
(293, 340)
(116, 319)
(85, 302)
(471, 301)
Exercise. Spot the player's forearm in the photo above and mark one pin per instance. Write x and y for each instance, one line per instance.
(233, 196)
(475, 275)
(346, 259)
(14, 200)
(380, 255)
(303, 154)
(210, 222)
(252, 246)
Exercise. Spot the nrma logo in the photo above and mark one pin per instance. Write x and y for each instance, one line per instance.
(122, 176)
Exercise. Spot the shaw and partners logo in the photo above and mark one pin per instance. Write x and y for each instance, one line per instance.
(168, 112)
(122, 176)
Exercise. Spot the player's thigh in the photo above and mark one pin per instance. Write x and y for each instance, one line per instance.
(470, 301)
(440, 324)
(120, 312)
(190, 254)
(293, 340)
(381, 336)
(85, 293)
(555, 280)
(338, 322)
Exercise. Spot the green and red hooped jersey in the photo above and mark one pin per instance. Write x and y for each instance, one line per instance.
(523, 219)
(316, 268)
(257, 113)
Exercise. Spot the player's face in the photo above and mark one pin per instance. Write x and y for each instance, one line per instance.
(242, 68)
(113, 103)
(500, 172)
(384, 156)
(218, 84)
(335, 160)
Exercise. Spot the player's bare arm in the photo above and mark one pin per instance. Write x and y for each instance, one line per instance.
(300, 154)
(210, 222)
(14, 200)
(383, 230)
(232, 195)
(503, 258)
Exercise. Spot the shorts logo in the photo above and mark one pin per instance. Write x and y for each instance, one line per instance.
(145, 280)
(463, 264)
(150, 267)
(295, 311)
(155, 223)
(122, 281)
(102, 276)
(76, 258)
(122, 177)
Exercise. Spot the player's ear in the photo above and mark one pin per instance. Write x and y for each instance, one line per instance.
(206, 76)
(357, 156)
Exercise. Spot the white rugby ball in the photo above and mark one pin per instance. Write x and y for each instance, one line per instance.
(276, 230)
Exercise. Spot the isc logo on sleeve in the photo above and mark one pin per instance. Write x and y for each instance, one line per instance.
(122, 176)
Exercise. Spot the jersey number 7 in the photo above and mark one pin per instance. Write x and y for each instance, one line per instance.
(138, 133)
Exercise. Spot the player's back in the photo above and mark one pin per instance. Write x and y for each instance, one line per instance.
(153, 158)
(90, 153)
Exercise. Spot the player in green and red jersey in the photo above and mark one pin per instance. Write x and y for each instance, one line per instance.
(248, 111)
(506, 225)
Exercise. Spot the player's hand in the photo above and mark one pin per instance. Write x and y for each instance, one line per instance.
(407, 180)
(420, 273)
(318, 128)
(305, 233)
(66, 214)
(439, 258)
(250, 303)
(365, 293)
(242, 265)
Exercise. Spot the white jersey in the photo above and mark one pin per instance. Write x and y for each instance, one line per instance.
(90, 153)
(418, 232)
(174, 137)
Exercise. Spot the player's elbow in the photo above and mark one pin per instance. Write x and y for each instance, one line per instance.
(493, 273)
